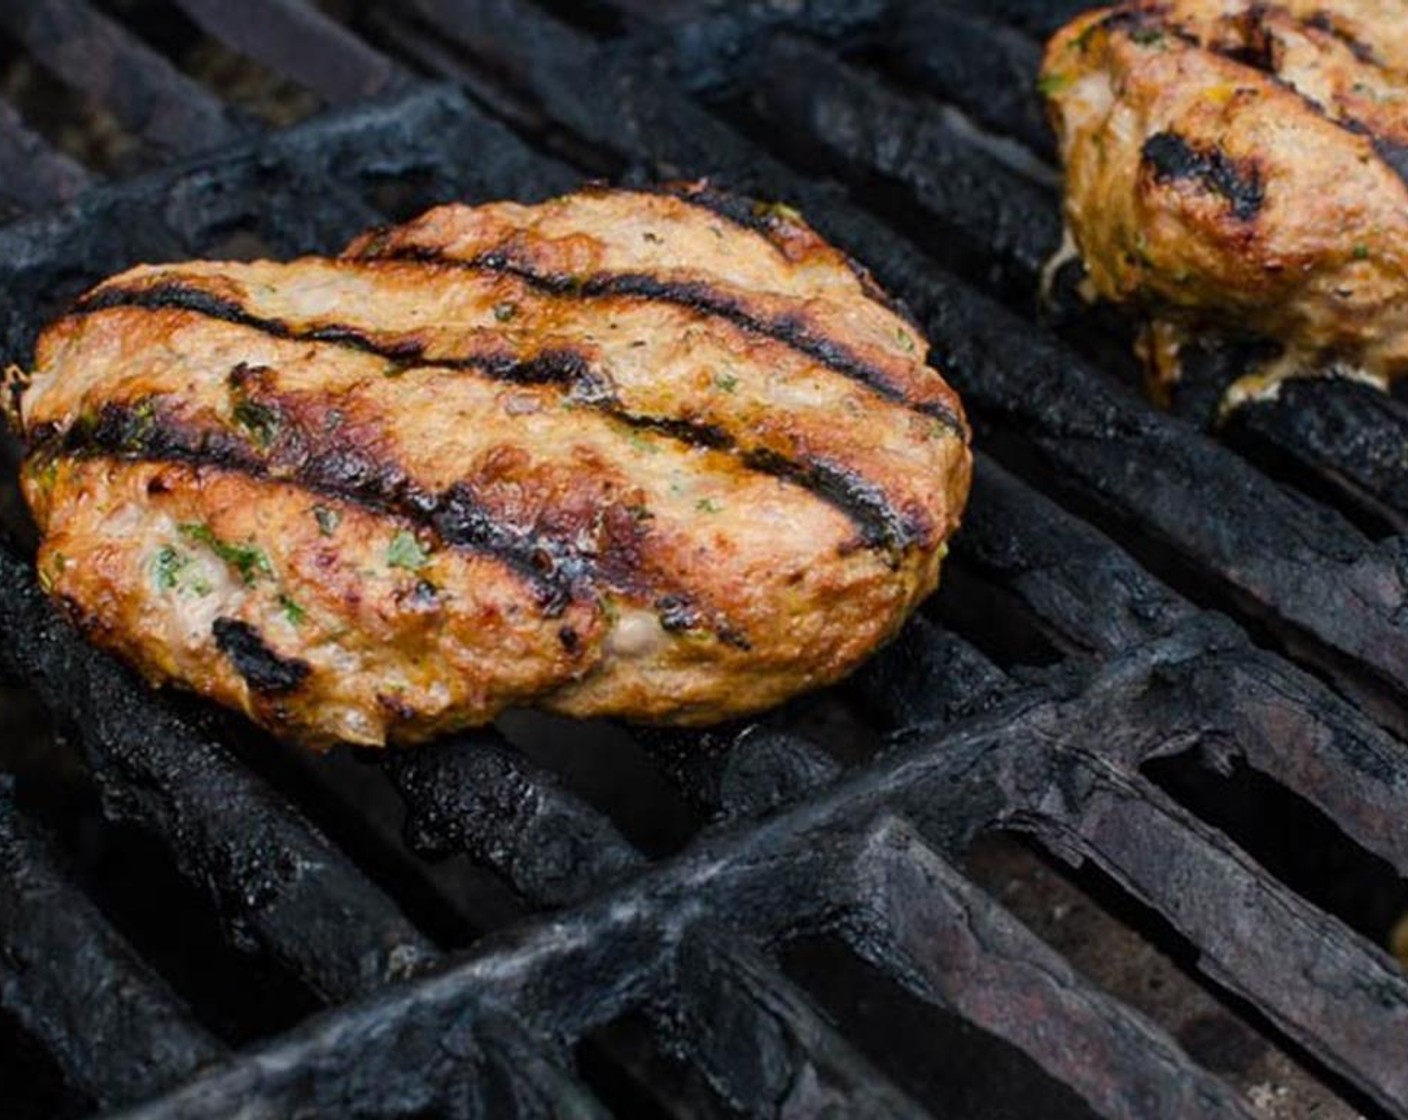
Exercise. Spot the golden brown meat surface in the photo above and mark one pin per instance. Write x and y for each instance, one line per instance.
(1242, 165)
(651, 454)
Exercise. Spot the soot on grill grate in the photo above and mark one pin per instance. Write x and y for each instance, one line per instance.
(988, 876)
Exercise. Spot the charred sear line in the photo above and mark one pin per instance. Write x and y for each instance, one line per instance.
(1326, 23)
(865, 504)
(265, 671)
(556, 570)
(1259, 51)
(1174, 159)
(678, 615)
(746, 213)
(1395, 154)
(763, 218)
(697, 296)
(131, 429)
(138, 432)
(550, 367)
(690, 432)
(184, 297)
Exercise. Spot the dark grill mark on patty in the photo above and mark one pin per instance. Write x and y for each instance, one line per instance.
(878, 523)
(1325, 22)
(134, 432)
(1174, 159)
(551, 564)
(735, 209)
(265, 671)
(550, 367)
(1259, 52)
(790, 330)
(1395, 154)
(762, 218)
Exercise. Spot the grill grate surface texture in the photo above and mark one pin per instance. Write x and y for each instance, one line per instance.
(801, 916)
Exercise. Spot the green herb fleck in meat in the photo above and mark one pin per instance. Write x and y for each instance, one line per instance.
(328, 519)
(406, 552)
(248, 559)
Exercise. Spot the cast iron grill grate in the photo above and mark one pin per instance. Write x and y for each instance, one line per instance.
(652, 894)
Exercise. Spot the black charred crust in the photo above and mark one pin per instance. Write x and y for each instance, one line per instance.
(1326, 23)
(1395, 154)
(1260, 52)
(245, 375)
(161, 296)
(1149, 21)
(460, 518)
(736, 209)
(265, 671)
(554, 569)
(677, 613)
(347, 473)
(350, 473)
(697, 296)
(1171, 158)
(691, 432)
(402, 353)
(867, 506)
(881, 525)
(763, 219)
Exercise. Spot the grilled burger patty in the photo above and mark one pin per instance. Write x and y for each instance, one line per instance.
(657, 454)
(1238, 163)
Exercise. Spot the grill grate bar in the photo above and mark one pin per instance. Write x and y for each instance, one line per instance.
(276, 881)
(40, 175)
(1091, 597)
(1279, 719)
(963, 951)
(739, 771)
(928, 676)
(1341, 998)
(480, 796)
(1351, 434)
(580, 968)
(1289, 726)
(148, 95)
(983, 220)
(763, 1046)
(963, 58)
(73, 982)
(296, 40)
(460, 1061)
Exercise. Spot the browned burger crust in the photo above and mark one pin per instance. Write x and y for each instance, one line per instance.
(1241, 164)
(647, 454)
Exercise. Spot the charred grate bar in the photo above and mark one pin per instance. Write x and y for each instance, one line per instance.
(803, 842)
(73, 981)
